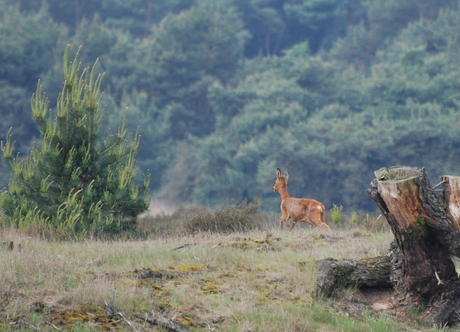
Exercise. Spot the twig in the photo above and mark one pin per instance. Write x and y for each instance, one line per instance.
(127, 321)
(437, 277)
(443, 181)
(211, 329)
(199, 260)
(180, 247)
(216, 245)
(30, 325)
(167, 324)
(57, 328)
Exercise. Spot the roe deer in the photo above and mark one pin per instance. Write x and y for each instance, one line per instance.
(298, 209)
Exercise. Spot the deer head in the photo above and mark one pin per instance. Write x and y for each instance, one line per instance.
(281, 180)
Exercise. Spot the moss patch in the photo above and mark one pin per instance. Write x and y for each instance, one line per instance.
(187, 268)
(82, 315)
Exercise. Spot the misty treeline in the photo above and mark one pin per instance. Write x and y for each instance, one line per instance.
(226, 91)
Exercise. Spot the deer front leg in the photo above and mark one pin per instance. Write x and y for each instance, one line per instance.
(293, 223)
(284, 217)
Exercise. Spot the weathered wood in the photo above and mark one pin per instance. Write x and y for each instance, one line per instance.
(109, 309)
(335, 275)
(451, 193)
(419, 266)
(424, 226)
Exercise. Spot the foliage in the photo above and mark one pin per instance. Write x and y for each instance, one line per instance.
(336, 214)
(354, 218)
(186, 65)
(74, 182)
(383, 20)
(26, 44)
(327, 19)
(226, 91)
(232, 218)
(27, 41)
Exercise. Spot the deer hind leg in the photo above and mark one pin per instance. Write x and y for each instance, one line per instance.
(323, 225)
(323, 222)
(319, 221)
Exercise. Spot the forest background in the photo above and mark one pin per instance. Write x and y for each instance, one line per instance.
(226, 91)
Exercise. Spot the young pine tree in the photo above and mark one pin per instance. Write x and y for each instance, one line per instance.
(74, 183)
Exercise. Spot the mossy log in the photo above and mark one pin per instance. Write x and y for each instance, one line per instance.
(335, 275)
(427, 240)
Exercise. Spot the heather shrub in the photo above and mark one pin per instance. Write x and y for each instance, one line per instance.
(232, 218)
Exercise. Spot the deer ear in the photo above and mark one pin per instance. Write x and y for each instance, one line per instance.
(278, 173)
(286, 175)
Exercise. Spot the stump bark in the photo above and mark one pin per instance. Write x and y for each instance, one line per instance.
(427, 240)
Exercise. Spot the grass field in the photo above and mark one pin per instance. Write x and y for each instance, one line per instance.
(258, 280)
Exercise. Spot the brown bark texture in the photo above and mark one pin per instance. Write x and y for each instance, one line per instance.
(426, 230)
(419, 266)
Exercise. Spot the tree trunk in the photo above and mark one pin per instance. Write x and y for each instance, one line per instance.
(425, 227)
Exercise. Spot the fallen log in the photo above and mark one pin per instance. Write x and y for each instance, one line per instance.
(356, 273)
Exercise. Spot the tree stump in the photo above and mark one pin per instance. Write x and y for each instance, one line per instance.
(425, 227)
(427, 240)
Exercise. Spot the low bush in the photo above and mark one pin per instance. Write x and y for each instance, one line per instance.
(336, 214)
(232, 218)
(194, 219)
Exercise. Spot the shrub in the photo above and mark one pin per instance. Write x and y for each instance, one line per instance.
(354, 218)
(336, 214)
(74, 183)
(232, 218)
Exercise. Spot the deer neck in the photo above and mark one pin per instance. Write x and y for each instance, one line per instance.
(284, 192)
